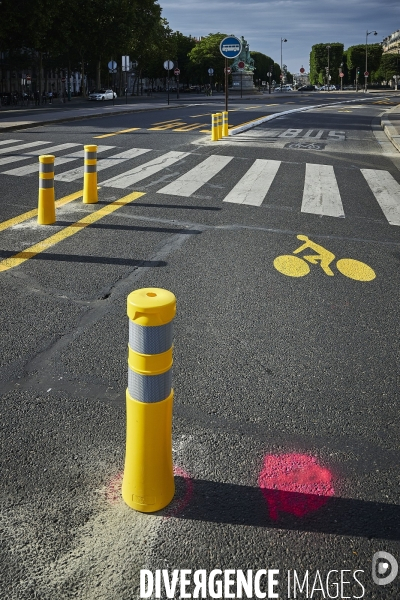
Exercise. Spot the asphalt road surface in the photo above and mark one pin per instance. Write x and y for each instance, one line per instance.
(282, 247)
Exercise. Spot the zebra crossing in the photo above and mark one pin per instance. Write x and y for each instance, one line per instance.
(321, 194)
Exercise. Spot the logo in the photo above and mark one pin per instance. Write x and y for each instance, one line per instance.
(384, 568)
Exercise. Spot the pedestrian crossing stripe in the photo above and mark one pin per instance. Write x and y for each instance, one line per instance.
(321, 194)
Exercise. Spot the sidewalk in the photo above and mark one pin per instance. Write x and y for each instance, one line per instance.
(391, 126)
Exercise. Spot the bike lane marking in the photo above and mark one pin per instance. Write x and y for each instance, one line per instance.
(21, 257)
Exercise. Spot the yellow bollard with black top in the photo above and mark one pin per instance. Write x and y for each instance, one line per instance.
(219, 116)
(46, 201)
(225, 123)
(90, 195)
(214, 128)
(148, 481)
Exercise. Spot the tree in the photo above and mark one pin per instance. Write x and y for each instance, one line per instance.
(389, 66)
(206, 54)
(262, 65)
(356, 57)
(319, 62)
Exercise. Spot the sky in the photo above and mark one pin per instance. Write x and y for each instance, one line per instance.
(302, 22)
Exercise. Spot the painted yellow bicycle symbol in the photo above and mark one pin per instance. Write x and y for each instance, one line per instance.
(295, 266)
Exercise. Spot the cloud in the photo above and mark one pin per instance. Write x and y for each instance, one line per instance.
(303, 22)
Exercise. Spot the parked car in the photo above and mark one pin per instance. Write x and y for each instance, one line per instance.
(102, 94)
(326, 88)
(307, 88)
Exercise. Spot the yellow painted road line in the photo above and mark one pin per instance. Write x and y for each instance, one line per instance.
(167, 126)
(170, 121)
(249, 107)
(33, 213)
(272, 105)
(115, 133)
(205, 131)
(195, 116)
(17, 259)
(189, 127)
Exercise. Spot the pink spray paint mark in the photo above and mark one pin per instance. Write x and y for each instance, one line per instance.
(294, 484)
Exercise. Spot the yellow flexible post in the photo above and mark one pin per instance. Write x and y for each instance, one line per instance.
(90, 175)
(148, 482)
(219, 117)
(214, 128)
(46, 201)
(225, 123)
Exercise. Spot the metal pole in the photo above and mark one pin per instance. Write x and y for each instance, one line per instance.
(328, 47)
(226, 84)
(281, 65)
(241, 84)
(177, 88)
(366, 60)
(168, 84)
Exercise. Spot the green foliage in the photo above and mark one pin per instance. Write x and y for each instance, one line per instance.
(389, 66)
(206, 54)
(356, 57)
(262, 65)
(319, 62)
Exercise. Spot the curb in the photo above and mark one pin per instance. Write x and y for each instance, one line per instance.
(247, 126)
(390, 130)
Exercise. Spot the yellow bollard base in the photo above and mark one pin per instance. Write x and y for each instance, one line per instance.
(148, 483)
(46, 207)
(90, 194)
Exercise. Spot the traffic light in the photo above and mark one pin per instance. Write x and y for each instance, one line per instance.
(358, 70)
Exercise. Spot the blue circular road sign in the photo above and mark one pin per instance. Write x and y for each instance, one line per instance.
(230, 47)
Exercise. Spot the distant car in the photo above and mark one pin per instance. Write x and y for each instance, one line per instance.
(285, 88)
(326, 88)
(102, 94)
(307, 88)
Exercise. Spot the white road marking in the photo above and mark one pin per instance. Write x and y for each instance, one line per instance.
(22, 146)
(4, 142)
(386, 191)
(52, 150)
(191, 181)
(131, 177)
(321, 194)
(254, 185)
(78, 172)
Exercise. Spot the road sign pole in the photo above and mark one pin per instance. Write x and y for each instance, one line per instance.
(226, 84)
(177, 87)
(168, 86)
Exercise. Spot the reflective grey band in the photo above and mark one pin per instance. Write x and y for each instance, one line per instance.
(149, 388)
(46, 167)
(150, 340)
(90, 155)
(90, 168)
(46, 183)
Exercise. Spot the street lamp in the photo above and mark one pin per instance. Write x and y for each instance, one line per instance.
(341, 77)
(282, 40)
(366, 55)
(328, 48)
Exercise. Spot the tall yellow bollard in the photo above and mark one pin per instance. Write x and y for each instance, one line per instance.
(219, 116)
(214, 128)
(225, 123)
(148, 482)
(46, 201)
(90, 175)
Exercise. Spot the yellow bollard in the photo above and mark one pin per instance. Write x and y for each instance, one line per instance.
(225, 123)
(214, 128)
(46, 201)
(148, 482)
(219, 116)
(90, 175)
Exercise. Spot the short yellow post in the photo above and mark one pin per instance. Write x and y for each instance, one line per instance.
(90, 175)
(225, 123)
(148, 482)
(214, 128)
(219, 116)
(46, 201)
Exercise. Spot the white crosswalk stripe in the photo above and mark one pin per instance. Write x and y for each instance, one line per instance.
(386, 191)
(143, 171)
(22, 147)
(11, 159)
(254, 185)
(191, 181)
(104, 163)
(321, 194)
